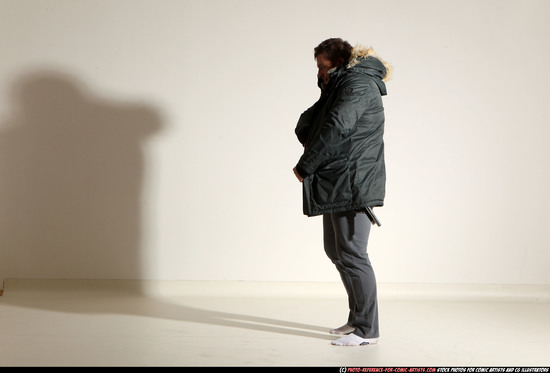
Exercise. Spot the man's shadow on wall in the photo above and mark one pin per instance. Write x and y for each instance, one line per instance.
(71, 177)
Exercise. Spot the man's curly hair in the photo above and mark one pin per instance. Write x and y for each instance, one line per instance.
(336, 50)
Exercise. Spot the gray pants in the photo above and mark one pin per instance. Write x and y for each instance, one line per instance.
(345, 239)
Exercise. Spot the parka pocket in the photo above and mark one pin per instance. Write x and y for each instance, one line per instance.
(331, 184)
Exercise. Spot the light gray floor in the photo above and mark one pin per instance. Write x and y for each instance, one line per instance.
(102, 323)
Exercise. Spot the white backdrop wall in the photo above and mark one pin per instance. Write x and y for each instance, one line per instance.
(154, 139)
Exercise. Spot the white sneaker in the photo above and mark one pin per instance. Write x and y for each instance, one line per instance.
(354, 340)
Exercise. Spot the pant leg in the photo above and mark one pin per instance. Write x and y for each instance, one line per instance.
(329, 240)
(351, 232)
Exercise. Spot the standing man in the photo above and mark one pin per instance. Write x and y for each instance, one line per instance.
(343, 172)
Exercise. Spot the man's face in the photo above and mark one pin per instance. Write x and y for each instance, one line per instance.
(324, 65)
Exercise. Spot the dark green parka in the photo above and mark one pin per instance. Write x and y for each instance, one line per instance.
(342, 133)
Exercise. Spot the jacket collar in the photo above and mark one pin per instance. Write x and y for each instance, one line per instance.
(374, 68)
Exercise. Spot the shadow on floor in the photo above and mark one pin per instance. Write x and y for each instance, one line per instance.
(127, 298)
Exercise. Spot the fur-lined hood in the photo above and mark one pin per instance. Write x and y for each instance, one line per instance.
(382, 68)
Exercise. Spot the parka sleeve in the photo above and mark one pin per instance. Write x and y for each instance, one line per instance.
(304, 124)
(330, 141)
